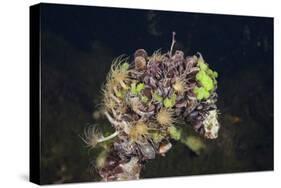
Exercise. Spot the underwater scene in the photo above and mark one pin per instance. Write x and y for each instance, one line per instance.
(133, 94)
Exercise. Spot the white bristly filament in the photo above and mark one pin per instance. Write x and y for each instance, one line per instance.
(173, 43)
(108, 137)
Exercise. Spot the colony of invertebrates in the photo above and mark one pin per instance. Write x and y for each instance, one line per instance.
(145, 100)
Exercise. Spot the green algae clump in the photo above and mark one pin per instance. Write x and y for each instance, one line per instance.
(170, 102)
(201, 93)
(136, 89)
(174, 133)
(157, 97)
(206, 78)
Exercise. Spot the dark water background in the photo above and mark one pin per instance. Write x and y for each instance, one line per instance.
(78, 45)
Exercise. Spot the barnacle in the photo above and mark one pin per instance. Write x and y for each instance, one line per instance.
(165, 117)
(140, 63)
(180, 85)
(108, 102)
(91, 136)
(144, 101)
(118, 74)
(138, 130)
(156, 56)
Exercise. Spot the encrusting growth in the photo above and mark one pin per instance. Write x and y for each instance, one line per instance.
(144, 99)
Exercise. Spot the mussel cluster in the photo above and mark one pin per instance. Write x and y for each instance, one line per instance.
(145, 100)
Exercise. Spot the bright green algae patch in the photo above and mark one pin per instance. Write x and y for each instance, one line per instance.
(206, 78)
(157, 97)
(174, 133)
(137, 88)
(170, 102)
(201, 93)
